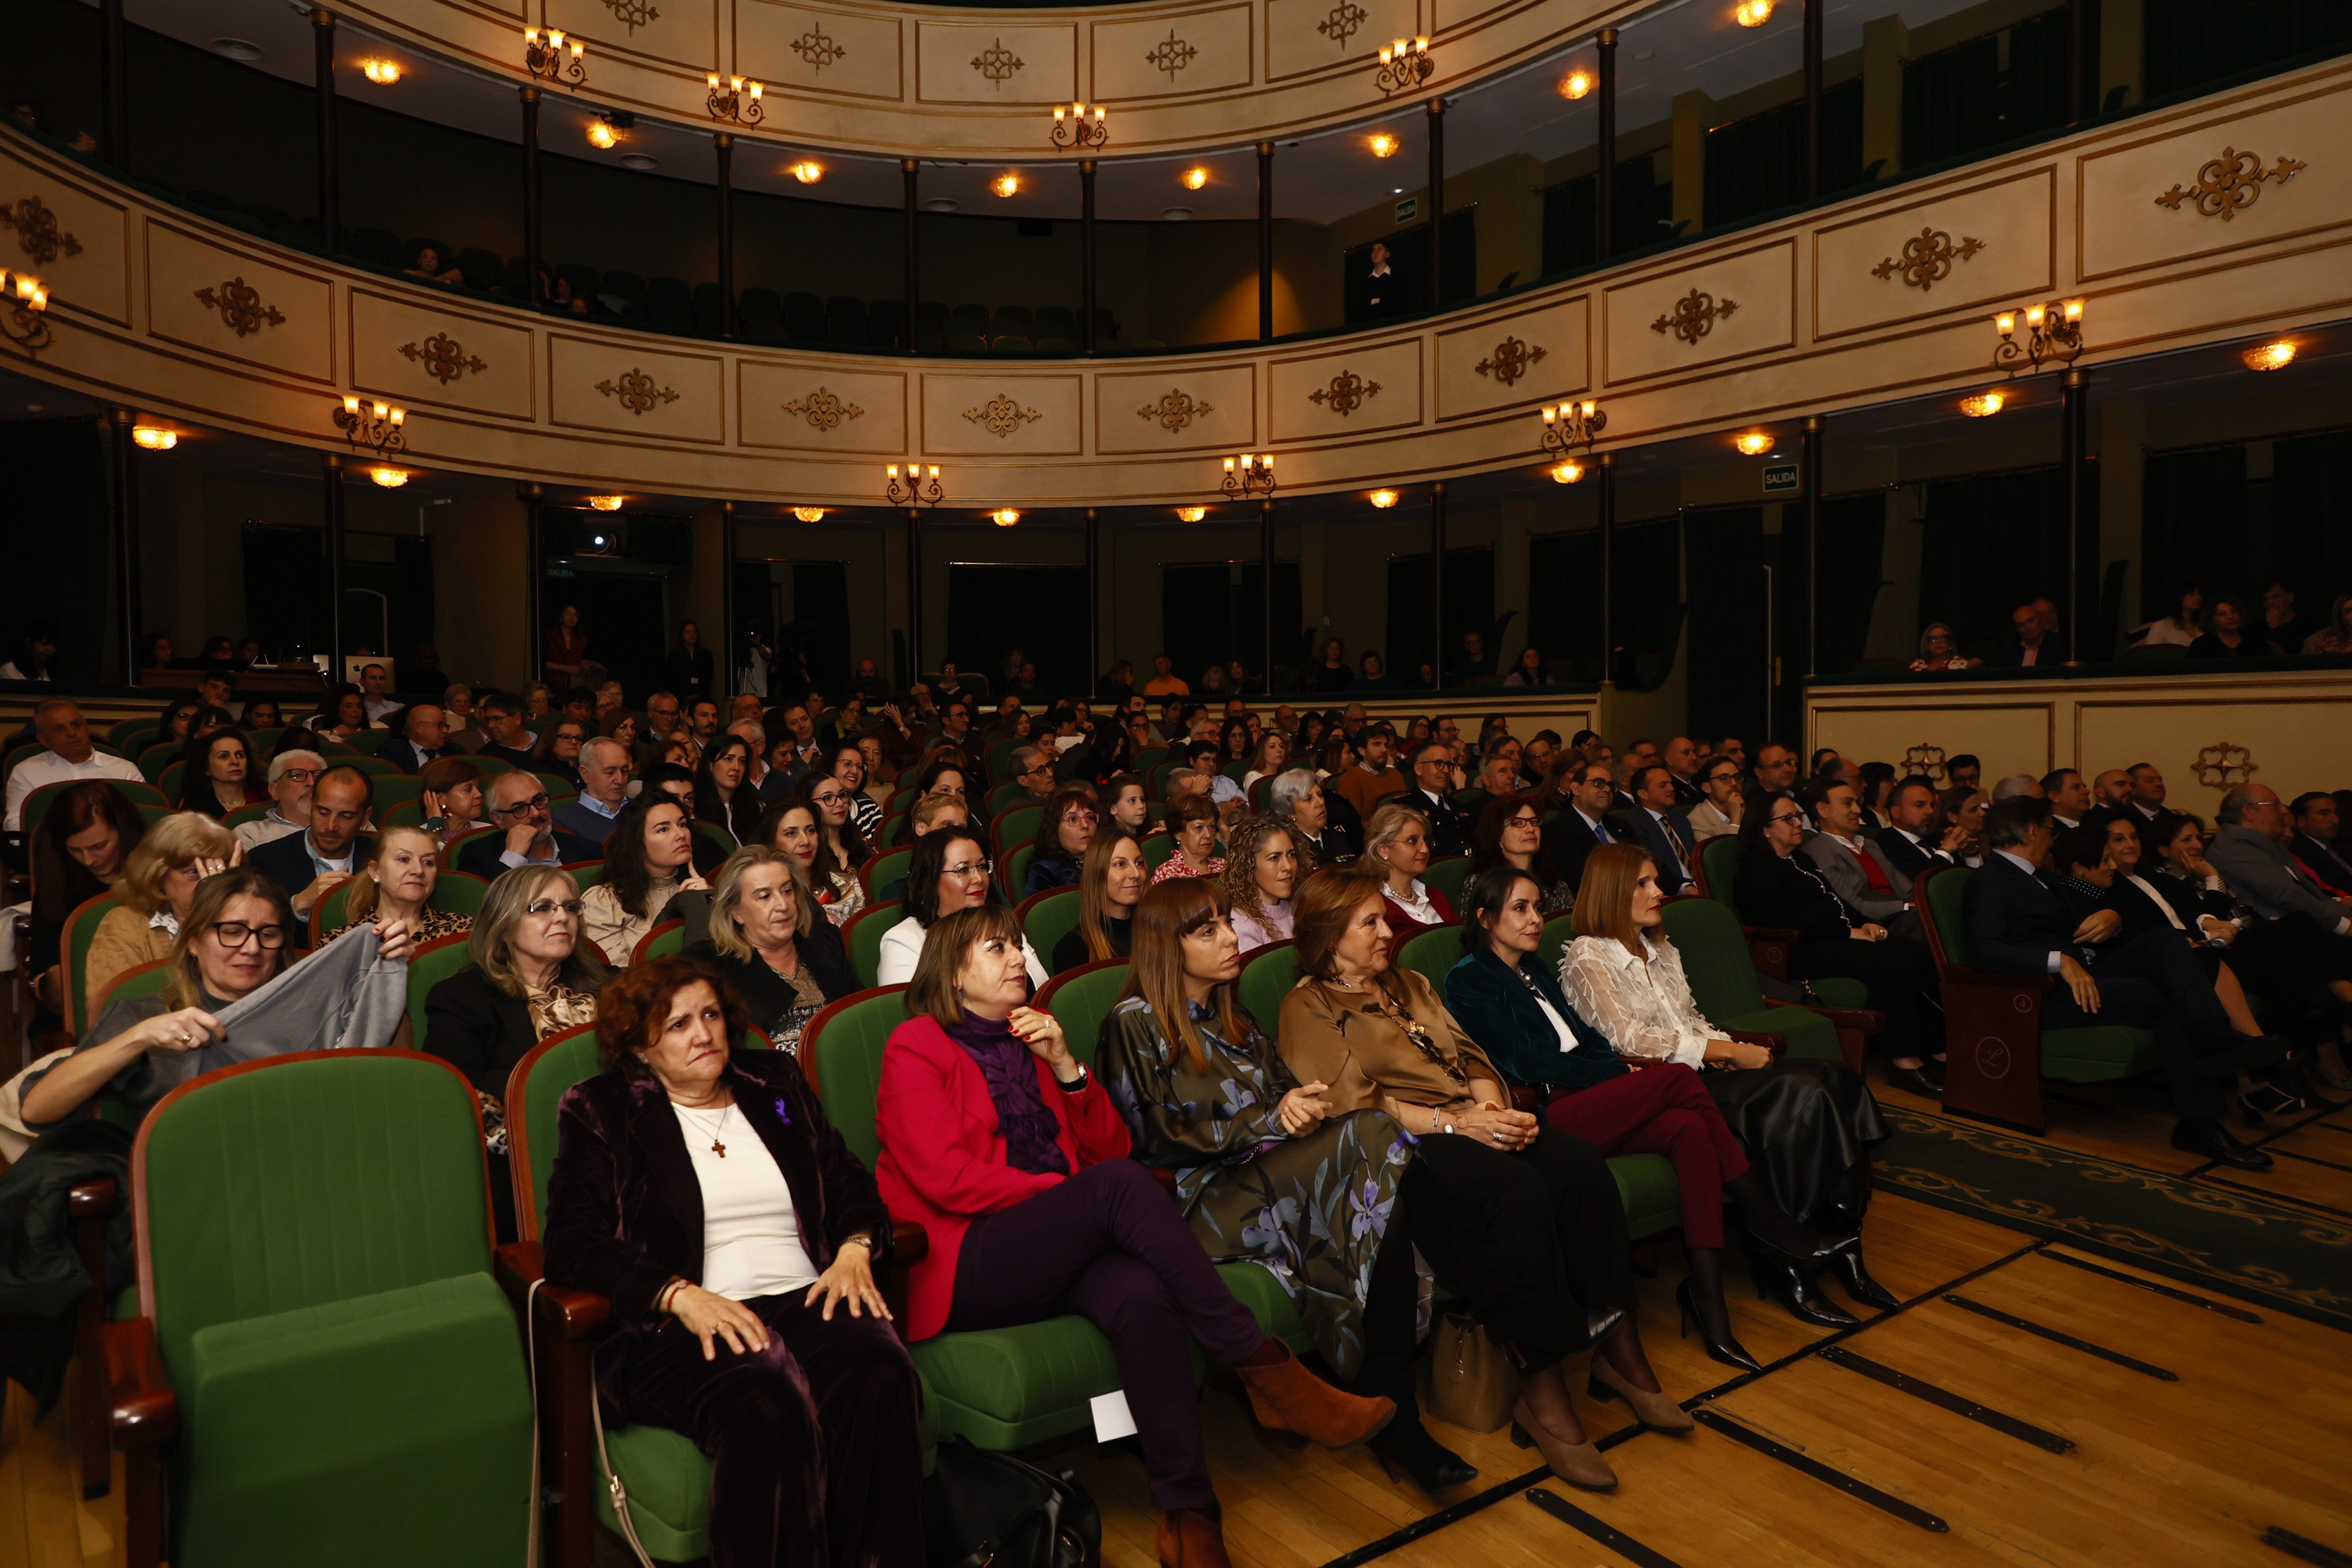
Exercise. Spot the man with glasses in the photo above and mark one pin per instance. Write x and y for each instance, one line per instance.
(509, 737)
(1033, 769)
(1572, 835)
(526, 835)
(334, 845)
(1659, 827)
(291, 776)
(1432, 794)
(1776, 777)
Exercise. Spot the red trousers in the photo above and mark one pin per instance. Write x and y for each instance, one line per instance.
(1662, 1110)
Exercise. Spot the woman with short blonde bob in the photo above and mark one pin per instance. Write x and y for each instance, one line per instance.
(1397, 844)
(1263, 865)
(768, 941)
(158, 882)
(1523, 1222)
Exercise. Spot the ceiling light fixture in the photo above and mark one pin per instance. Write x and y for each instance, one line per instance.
(602, 134)
(2270, 356)
(2053, 332)
(1383, 145)
(606, 503)
(389, 478)
(1567, 472)
(1578, 84)
(543, 57)
(1383, 499)
(1004, 517)
(1982, 405)
(383, 73)
(154, 437)
(1752, 13)
(1191, 513)
(1755, 443)
(1404, 64)
(809, 513)
(1006, 184)
(1195, 177)
(808, 171)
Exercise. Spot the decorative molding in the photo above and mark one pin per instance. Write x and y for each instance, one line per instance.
(1171, 55)
(1926, 759)
(1174, 410)
(2230, 182)
(1001, 416)
(1927, 259)
(1696, 314)
(1347, 393)
(240, 307)
(996, 63)
(638, 390)
(822, 410)
(1340, 25)
(37, 231)
(632, 13)
(1512, 358)
(2222, 765)
(445, 359)
(817, 49)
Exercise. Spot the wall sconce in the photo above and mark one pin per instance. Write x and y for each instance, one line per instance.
(2053, 332)
(23, 303)
(1076, 131)
(383, 73)
(1004, 517)
(739, 100)
(1383, 145)
(1383, 499)
(1567, 471)
(1195, 177)
(1404, 64)
(1752, 13)
(1254, 478)
(389, 478)
(808, 171)
(1754, 444)
(154, 437)
(1191, 513)
(548, 57)
(1982, 405)
(376, 428)
(1578, 84)
(1006, 184)
(606, 503)
(915, 488)
(2270, 356)
(809, 513)
(1572, 425)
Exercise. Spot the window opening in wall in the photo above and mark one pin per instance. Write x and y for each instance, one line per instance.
(1469, 606)
(1210, 612)
(1564, 601)
(995, 607)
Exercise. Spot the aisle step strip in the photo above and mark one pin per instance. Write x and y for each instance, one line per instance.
(1609, 1535)
(2056, 1337)
(1945, 1399)
(2195, 1300)
(1828, 1474)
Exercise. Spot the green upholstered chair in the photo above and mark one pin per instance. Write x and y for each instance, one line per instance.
(1156, 784)
(136, 790)
(1998, 1052)
(168, 781)
(157, 755)
(1149, 758)
(73, 959)
(1558, 932)
(716, 836)
(491, 766)
(1081, 999)
(1432, 953)
(1047, 917)
(863, 937)
(885, 875)
(368, 742)
(1715, 866)
(1157, 848)
(665, 938)
(1016, 823)
(458, 892)
(407, 814)
(1646, 1184)
(1267, 975)
(1007, 795)
(1446, 876)
(1013, 868)
(1715, 873)
(395, 790)
(1000, 755)
(559, 788)
(1723, 982)
(376, 768)
(130, 736)
(320, 1340)
(429, 966)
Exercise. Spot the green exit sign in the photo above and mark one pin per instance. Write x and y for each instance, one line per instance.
(1779, 477)
(1409, 210)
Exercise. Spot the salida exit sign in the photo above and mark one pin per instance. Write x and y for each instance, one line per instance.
(1779, 477)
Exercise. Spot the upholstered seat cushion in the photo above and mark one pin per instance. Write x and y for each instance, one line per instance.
(1255, 1287)
(2097, 1054)
(1805, 1035)
(1840, 991)
(1007, 1388)
(1646, 1185)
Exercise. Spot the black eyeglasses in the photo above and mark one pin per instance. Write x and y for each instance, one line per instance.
(1785, 816)
(533, 803)
(235, 934)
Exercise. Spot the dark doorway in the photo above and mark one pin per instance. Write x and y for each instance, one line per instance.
(993, 609)
(1210, 611)
(624, 617)
(819, 629)
(1469, 606)
(59, 545)
(1730, 673)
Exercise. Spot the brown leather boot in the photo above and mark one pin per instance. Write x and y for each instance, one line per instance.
(1192, 1538)
(1289, 1398)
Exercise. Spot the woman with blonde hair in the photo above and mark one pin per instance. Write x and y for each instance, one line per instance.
(1397, 844)
(767, 940)
(158, 882)
(397, 883)
(1110, 885)
(1263, 866)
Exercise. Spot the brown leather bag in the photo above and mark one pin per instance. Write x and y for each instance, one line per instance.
(1468, 1379)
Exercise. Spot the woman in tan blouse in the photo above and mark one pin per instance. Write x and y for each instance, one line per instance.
(158, 882)
(1522, 1222)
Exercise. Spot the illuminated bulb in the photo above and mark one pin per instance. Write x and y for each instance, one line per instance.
(1579, 83)
(1982, 405)
(1383, 499)
(757, 88)
(2270, 356)
(1752, 13)
(2073, 312)
(154, 437)
(397, 415)
(713, 79)
(555, 40)
(2033, 316)
(808, 172)
(935, 471)
(606, 503)
(1754, 443)
(1004, 517)
(890, 471)
(1192, 514)
(1567, 473)
(1384, 145)
(351, 404)
(1420, 45)
(1194, 178)
(602, 134)
(389, 478)
(383, 73)
(1005, 185)
(809, 513)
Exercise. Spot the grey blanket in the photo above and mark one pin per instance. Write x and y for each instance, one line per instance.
(345, 994)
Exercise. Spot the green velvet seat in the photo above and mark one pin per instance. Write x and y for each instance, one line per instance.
(863, 937)
(1080, 999)
(885, 875)
(1558, 932)
(458, 892)
(1047, 917)
(1447, 876)
(1723, 981)
(73, 956)
(1013, 868)
(1267, 976)
(1157, 849)
(1432, 953)
(1646, 1185)
(1016, 823)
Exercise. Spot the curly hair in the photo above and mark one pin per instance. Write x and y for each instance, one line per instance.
(632, 1008)
(1243, 839)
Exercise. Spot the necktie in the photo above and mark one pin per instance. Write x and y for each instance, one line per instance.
(1601, 833)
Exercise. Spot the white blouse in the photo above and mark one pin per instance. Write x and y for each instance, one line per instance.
(1262, 931)
(1643, 1007)
(902, 948)
(751, 1235)
(1417, 909)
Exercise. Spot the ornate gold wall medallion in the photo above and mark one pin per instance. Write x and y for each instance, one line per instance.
(1340, 25)
(2230, 182)
(638, 390)
(1174, 410)
(1000, 415)
(996, 63)
(1347, 393)
(632, 13)
(817, 49)
(822, 410)
(1924, 758)
(1696, 314)
(240, 307)
(1926, 260)
(37, 231)
(1171, 55)
(1512, 358)
(2222, 765)
(445, 359)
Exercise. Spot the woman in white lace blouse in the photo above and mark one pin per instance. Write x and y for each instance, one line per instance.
(1808, 1125)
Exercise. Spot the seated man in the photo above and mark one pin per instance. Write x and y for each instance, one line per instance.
(375, 689)
(59, 725)
(1915, 843)
(1657, 825)
(2317, 844)
(2309, 924)
(1871, 887)
(292, 776)
(1432, 794)
(526, 835)
(1033, 768)
(604, 790)
(331, 846)
(423, 737)
(501, 719)
(2019, 923)
(1569, 837)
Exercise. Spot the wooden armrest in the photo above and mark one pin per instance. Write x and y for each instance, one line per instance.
(144, 1411)
(1866, 1020)
(571, 1315)
(1527, 1099)
(910, 1243)
(1774, 1043)
(94, 1200)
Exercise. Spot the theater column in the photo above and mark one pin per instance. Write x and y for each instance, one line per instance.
(122, 458)
(732, 658)
(1094, 596)
(534, 517)
(322, 50)
(1810, 452)
(1605, 173)
(1608, 499)
(2082, 527)
(1265, 587)
(1266, 242)
(725, 144)
(914, 595)
(333, 516)
(1437, 586)
(908, 169)
(114, 86)
(1437, 204)
(1812, 51)
(1087, 254)
(533, 246)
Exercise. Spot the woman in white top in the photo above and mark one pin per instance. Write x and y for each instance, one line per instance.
(1261, 870)
(1396, 842)
(648, 861)
(1808, 1125)
(2183, 626)
(949, 871)
(1272, 755)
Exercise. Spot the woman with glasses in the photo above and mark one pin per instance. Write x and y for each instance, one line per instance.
(765, 938)
(397, 883)
(160, 877)
(1397, 845)
(722, 789)
(845, 760)
(1110, 884)
(1263, 866)
(648, 861)
(531, 976)
(216, 774)
(951, 870)
(1510, 833)
(1192, 821)
(1063, 832)
(558, 751)
(840, 849)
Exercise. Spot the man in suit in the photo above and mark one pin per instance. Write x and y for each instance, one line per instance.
(662, 716)
(1870, 885)
(2111, 789)
(423, 737)
(332, 846)
(1682, 760)
(2316, 840)
(2146, 806)
(1432, 794)
(2019, 923)
(502, 722)
(603, 791)
(527, 834)
(2032, 646)
(1658, 825)
(1775, 776)
(2069, 796)
(2251, 851)
(1913, 845)
(807, 752)
(1570, 836)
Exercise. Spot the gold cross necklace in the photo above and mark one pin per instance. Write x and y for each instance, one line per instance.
(716, 1147)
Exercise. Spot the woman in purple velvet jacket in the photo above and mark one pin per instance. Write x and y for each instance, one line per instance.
(701, 1189)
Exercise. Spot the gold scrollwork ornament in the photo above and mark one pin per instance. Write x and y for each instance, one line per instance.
(2229, 183)
(818, 50)
(638, 390)
(1340, 25)
(1926, 759)
(1694, 315)
(1171, 55)
(240, 307)
(1927, 259)
(1347, 393)
(37, 231)
(823, 410)
(1001, 416)
(1175, 410)
(1512, 358)
(2222, 765)
(445, 359)
(996, 63)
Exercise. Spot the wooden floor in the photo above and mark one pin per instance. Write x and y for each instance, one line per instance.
(2255, 1433)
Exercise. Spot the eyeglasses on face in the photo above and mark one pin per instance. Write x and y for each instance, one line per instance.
(1785, 816)
(233, 934)
(969, 868)
(532, 804)
(301, 775)
(551, 907)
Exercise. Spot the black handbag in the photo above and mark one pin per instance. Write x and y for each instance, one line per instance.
(991, 1511)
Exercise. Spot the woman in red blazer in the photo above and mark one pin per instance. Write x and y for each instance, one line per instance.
(1000, 1143)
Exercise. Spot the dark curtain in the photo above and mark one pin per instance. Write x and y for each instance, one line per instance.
(2186, 495)
(1963, 99)
(1469, 603)
(285, 589)
(1195, 628)
(1757, 164)
(1854, 539)
(59, 575)
(993, 609)
(1249, 619)
(1995, 542)
(2189, 45)
(1644, 215)
(1645, 596)
(1727, 600)
(820, 622)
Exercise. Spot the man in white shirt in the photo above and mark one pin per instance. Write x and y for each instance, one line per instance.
(2146, 802)
(292, 775)
(58, 725)
(604, 790)
(2069, 796)
(375, 691)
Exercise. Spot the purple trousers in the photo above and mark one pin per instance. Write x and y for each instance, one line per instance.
(1112, 1246)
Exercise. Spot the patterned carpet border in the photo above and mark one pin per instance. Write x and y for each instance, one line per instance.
(2290, 1257)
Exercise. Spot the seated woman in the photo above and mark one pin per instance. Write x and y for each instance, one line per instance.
(941, 772)
(1265, 1171)
(1262, 869)
(1522, 1222)
(845, 760)
(342, 714)
(158, 882)
(1503, 996)
(1064, 831)
(765, 939)
(450, 791)
(840, 848)
(1301, 799)
(1192, 821)
(1777, 886)
(79, 851)
(1510, 833)
(558, 751)
(2228, 633)
(951, 870)
(1939, 649)
(531, 976)
(1013, 1157)
(1808, 1125)
(1272, 755)
(1397, 846)
(722, 789)
(699, 1187)
(1110, 884)
(794, 826)
(216, 774)
(648, 861)
(397, 884)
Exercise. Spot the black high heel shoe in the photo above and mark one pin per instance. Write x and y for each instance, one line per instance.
(1847, 1268)
(1784, 1283)
(1724, 1349)
(1407, 1452)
